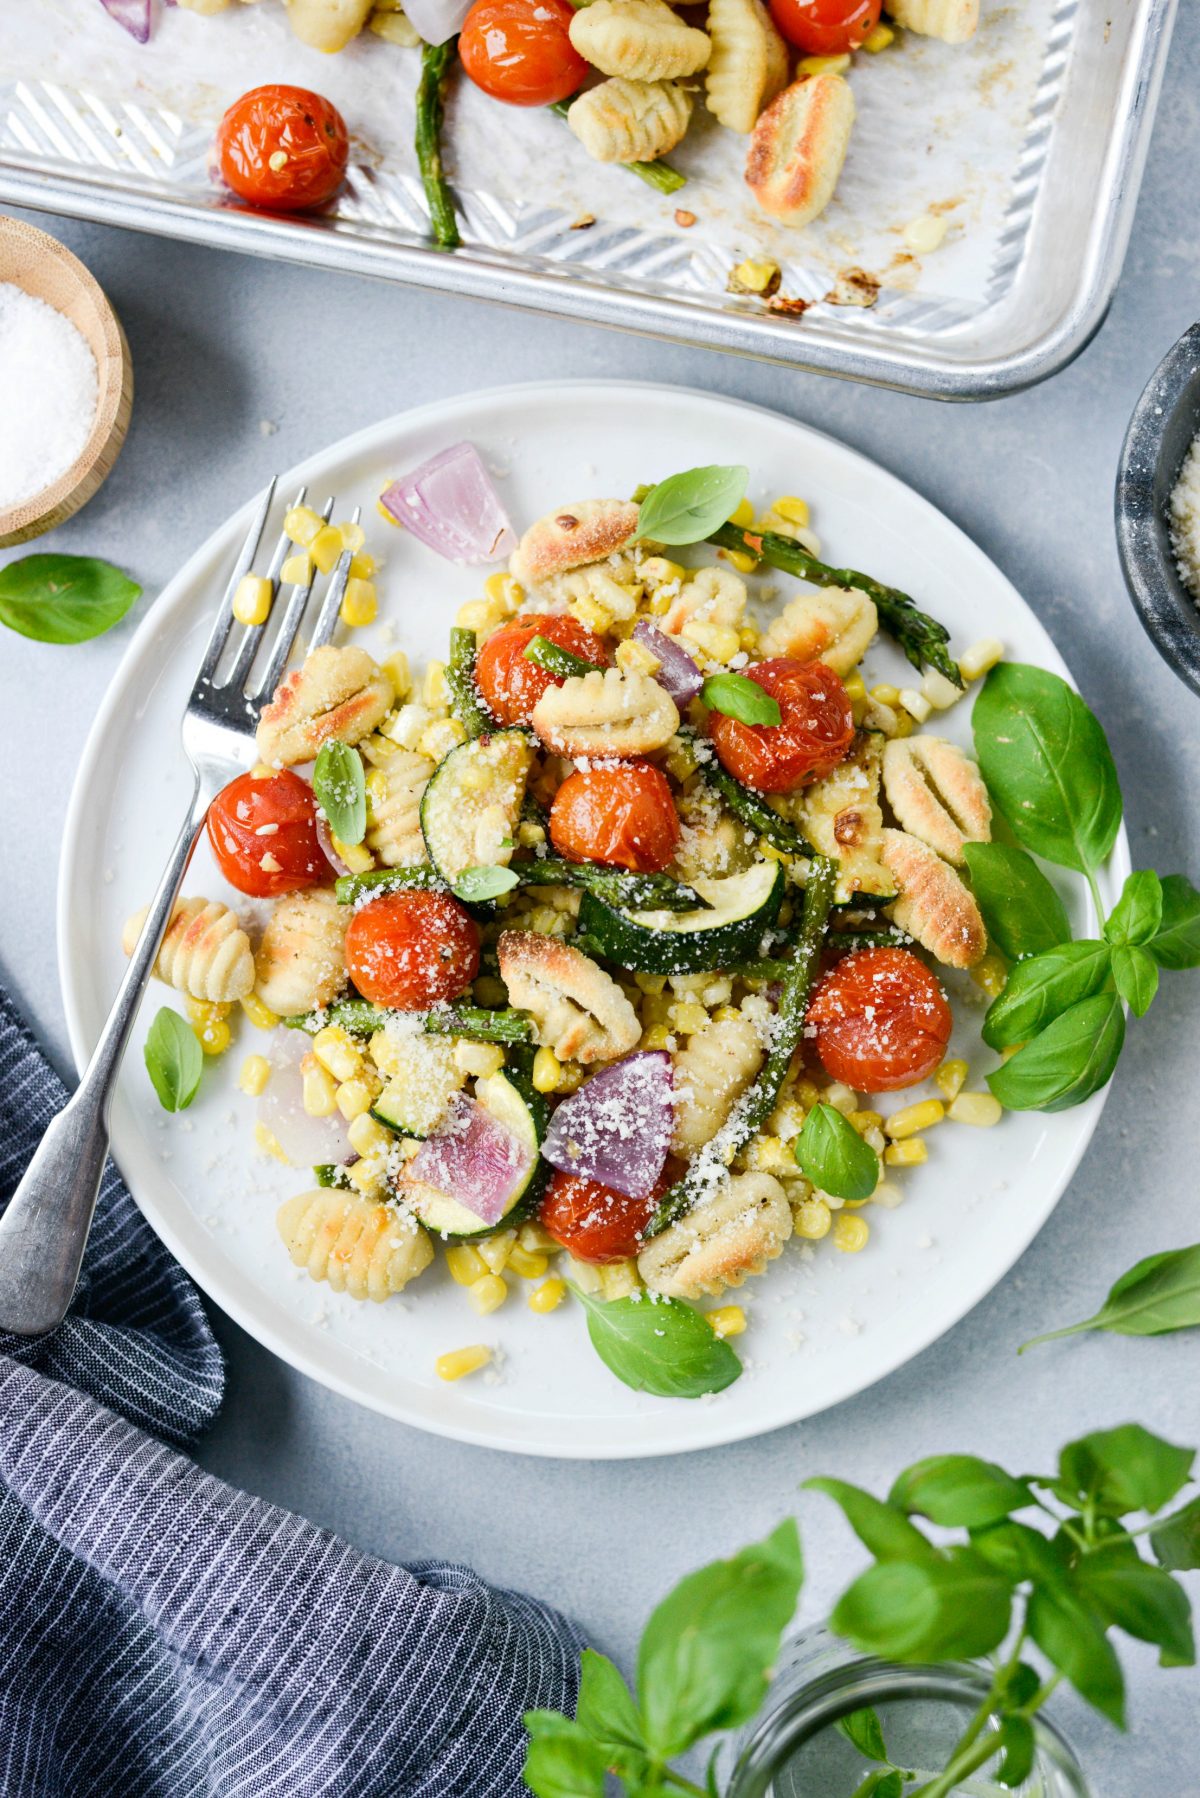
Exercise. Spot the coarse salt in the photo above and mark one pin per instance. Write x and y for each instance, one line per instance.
(51, 389)
(1185, 520)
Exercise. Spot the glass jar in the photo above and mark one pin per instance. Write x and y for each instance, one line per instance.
(793, 1749)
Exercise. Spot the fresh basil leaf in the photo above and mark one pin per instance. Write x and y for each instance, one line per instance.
(883, 1782)
(477, 884)
(64, 599)
(1022, 911)
(1137, 915)
(1019, 1552)
(1039, 990)
(174, 1060)
(1135, 976)
(1142, 1600)
(544, 653)
(959, 1491)
(1157, 1295)
(707, 1651)
(879, 1526)
(1177, 943)
(1072, 1638)
(608, 1713)
(1047, 765)
(1019, 1747)
(943, 1607)
(686, 507)
(1067, 1062)
(341, 790)
(562, 1761)
(739, 697)
(864, 1729)
(659, 1345)
(1176, 1540)
(1022, 1684)
(1122, 1470)
(832, 1154)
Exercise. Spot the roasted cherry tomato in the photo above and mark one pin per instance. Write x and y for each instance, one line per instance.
(521, 51)
(595, 1222)
(826, 27)
(815, 730)
(283, 148)
(412, 950)
(263, 833)
(881, 1019)
(510, 685)
(621, 814)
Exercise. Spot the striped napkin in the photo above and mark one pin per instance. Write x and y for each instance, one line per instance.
(163, 1635)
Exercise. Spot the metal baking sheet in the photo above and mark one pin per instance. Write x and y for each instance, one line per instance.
(1030, 141)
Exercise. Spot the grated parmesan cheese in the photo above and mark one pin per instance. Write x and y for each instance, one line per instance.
(1184, 509)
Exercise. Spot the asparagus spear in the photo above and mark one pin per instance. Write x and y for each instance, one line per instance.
(755, 1107)
(659, 175)
(468, 707)
(770, 967)
(753, 810)
(921, 637)
(360, 1018)
(556, 660)
(436, 61)
(350, 888)
(628, 892)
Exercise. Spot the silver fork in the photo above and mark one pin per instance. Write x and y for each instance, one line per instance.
(44, 1230)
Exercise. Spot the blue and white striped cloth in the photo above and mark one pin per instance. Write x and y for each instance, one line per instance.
(163, 1635)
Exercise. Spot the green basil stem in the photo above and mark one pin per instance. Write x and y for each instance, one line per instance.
(628, 892)
(555, 659)
(659, 175)
(436, 62)
(465, 700)
(970, 1752)
(921, 637)
(760, 1101)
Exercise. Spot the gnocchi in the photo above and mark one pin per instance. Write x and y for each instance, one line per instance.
(205, 952)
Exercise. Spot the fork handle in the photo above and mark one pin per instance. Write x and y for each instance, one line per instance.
(44, 1229)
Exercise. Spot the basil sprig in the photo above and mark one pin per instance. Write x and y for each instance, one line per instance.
(830, 1152)
(174, 1060)
(740, 697)
(474, 885)
(1157, 1296)
(1023, 913)
(659, 1345)
(64, 599)
(341, 790)
(687, 507)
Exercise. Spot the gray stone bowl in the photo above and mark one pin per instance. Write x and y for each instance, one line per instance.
(1164, 422)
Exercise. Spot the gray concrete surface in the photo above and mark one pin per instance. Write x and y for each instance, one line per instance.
(221, 343)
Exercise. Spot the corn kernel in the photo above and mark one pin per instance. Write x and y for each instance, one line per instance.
(726, 1320)
(910, 1153)
(359, 603)
(975, 661)
(754, 277)
(277, 161)
(990, 975)
(368, 1137)
(434, 692)
(926, 233)
(856, 688)
(548, 1296)
(356, 1096)
(260, 1015)
(530, 1267)
(357, 856)
(743, 562)
(635, 658)
(387, 517)
(504, 590)
(254, 1074)
(204, 1011)
(921, 1116)
(886, 694)
(571, 1078)
(302, 524)
(478, 1058)
(352, 535)
(940, 692)
(590, 612)
(662, 571)
(915, 704)
(337, 1051)
(466, 1265)
(879, 39)
(267, 1143)
(215, 1036)
(263, 771)
(326, 547)
(495, 1249)
(252, 599)
(888, 1196)
(618, 1279)
(658, 1036)
(903, 725)
(546, 1071)
(850, 1233)
(813, 1219)
(363, 567)
(843, 1098)
(950, 1077)
(717, 641)
(457, 1363)
(794, 510)
(369, 1177)
(824, 65)
(981, 1109)
(862, 1121)
(297, 571)
(742, 515)
(475, 615)
(440, 737)
(660, 601)
(397, 670)
(768, 1155)
(487, 1294)
(318, 1092)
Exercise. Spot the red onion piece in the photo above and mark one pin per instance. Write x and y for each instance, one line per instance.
(473, 1159)
(437, 20)
(325, 838)
(132, 15)
(617, 1127)
(306, 1141)
(678, 673)
(451, 506)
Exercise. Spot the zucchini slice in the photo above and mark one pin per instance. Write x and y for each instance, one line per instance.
(515, 1105)
(743, 908)
(471, 805)
(421, 1081)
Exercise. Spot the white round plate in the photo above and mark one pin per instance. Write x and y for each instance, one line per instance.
(822, 1324)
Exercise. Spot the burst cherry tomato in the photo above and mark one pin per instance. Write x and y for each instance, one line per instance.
(521, 51)
(815, 730)
(270, 123)
(622, 815)
(826, 27)
(412, 950)
(510, 685)
(881, 1020)
(594, 1222)
(263, 833)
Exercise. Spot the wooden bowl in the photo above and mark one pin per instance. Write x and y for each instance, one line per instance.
(33, 260)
